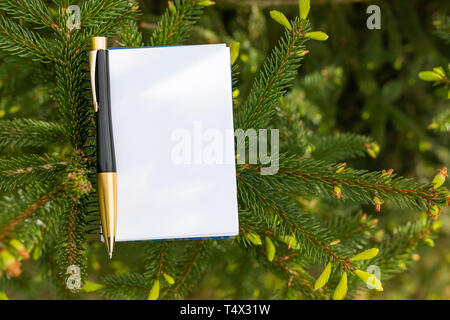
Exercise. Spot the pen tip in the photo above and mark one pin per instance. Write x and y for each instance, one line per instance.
(110, 246)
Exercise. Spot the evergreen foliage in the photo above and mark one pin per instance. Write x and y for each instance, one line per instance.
(47, 175)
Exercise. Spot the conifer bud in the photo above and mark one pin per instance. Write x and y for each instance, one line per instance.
(292, 243)
(304, 7)
(430, 76)
(372, 149)
(365, 255)
(317, 35)
(335, 242)
(90, 286)
(402, 265)
(337, 191)
(206, 3)
(234, 50)
(377, 202)
(323, 278)
(302, 53)
(154, 291)
(341, 290)
(387, 173)
(440, 71)
(281, 19)
(369, 279)
(270, 249)
(172, 7)
(434, 212)
(439, 179)
(341, 167)
(429, 242)
(170, 280)
(254, 238)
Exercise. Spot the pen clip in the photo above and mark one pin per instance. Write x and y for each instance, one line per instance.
(93, 67)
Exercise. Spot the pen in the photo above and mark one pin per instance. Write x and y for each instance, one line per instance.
(106, 162)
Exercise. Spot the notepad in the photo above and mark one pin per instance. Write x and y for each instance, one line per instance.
(171, 108)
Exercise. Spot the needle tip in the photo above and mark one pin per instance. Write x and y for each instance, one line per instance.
(110, 246)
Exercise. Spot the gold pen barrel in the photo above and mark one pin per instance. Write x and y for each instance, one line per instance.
(99, 43)
(107, 197)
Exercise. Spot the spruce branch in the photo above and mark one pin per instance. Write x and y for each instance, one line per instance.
(26, 170)
(95, 12)
(339, 147)
(295, 276)
(110, 22)
(352, 229)
(130, 35)
(442, 25)
(173, 26)
(31, 209)
(397, 249)
(274, 78)
(34, 11)
(29, 133)
(71, 244)
(190, 268)
(20, 41)
(313, 238)
(127, 286)
(316, 177)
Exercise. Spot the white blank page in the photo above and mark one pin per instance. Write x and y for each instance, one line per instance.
(155, 92)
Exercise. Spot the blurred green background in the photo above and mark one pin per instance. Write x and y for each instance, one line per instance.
(360, 80)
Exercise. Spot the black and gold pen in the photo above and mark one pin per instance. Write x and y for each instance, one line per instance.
(106, 162)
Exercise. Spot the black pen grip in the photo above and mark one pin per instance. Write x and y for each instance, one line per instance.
(106, 161)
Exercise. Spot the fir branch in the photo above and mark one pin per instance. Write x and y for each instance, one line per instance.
(396, 249)
(111, 23)
(441, 121)
(351, 229)
(442, 25)
(339, 147)
(129, 286)
(130, 35)
(296, 277)
(31, 11)
(29, 133)
(95, 12)
(315, 177)
(71, 96)
(313, 239)
(173, 26)
(8, 228)
(190, 267)
(26, 170)
(71, 244)
(159, 259)
(274, 78)
(20, 41)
